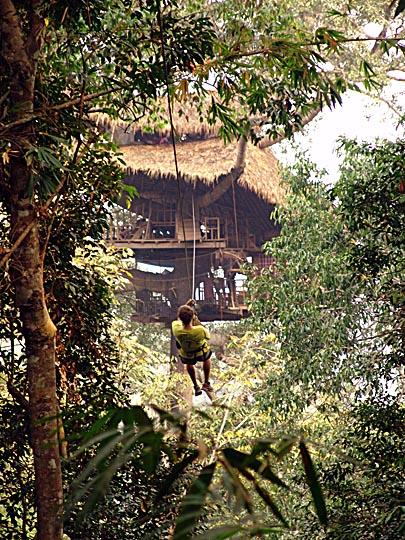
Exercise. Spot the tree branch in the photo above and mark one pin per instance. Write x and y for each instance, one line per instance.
(77, 101)
(224, 183)
(267, 141)
(389, 105)
(383, 33)
(16, 394)
(397, 78)
(225, 180)
(29, 227)
(268, 50)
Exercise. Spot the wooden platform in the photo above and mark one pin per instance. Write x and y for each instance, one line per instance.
(205, 314)
(169, 244)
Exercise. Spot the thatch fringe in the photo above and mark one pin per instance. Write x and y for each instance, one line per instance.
(187, 121)
(206, 160)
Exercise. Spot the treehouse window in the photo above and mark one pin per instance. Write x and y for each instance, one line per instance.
(212, 229)
(125, 225)
(163, 220)
(164, 214)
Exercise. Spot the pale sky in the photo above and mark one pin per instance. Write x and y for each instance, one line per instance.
(358, 118)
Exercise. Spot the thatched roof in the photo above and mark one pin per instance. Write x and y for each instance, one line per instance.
(205, 161)
(202, 156)
(186, 120)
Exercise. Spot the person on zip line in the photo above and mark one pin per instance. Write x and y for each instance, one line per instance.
(192, 341)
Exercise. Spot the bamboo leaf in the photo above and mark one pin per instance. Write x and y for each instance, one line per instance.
(286, 446)
(220, 533)
(314, 485)
(242, 460)
(98, 425)
(136, 414)
(263, 445)
(400, 8)
(240, 491)
(192, 504)
(264, 494)
(109, 439)
(164, 415)
(150, 455)
(175, 473)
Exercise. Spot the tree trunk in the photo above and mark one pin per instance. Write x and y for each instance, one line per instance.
(39, 336)
(21, 51)
(226, 180)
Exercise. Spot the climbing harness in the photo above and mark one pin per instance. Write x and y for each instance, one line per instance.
(206, 355)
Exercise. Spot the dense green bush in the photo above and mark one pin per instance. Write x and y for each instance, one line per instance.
(366, 493)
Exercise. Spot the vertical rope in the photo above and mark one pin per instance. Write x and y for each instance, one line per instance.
(194, 239)
(160, 23)
(240, 163)
(234, 214)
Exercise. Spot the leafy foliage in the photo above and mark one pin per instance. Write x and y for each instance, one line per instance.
(305, 298)
(334, 297)
(365, 493)
(372, 199)
(156, 444)
(272, 66)
(357, 228)
(92, 59)
(17, 487)
(379, 52)
(85, 58)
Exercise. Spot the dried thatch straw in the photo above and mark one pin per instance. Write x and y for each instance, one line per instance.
(205, 161)
(186, 120)
(201, 160)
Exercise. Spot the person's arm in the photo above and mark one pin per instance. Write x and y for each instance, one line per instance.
(192, 304)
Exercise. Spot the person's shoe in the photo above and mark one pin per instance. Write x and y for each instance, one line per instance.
(207, 387)
(197, 391)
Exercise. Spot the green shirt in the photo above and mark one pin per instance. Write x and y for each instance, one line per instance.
(193, 341)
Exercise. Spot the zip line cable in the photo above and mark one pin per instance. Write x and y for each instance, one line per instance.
(160, 23)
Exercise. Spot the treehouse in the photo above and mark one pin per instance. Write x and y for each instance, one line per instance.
(203, 210)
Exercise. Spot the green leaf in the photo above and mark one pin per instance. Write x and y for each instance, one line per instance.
(192, 504)
(400, 8)
(176, 420)
(137, 415)
(286, 446)
(151, 452)
(130, 193)
(99, 424)
(314, 485)
(175, 473)
(220, 533)
(240, 460)
(264, 494)
(235, 486)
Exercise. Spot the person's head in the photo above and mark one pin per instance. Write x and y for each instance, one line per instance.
(185, 314)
